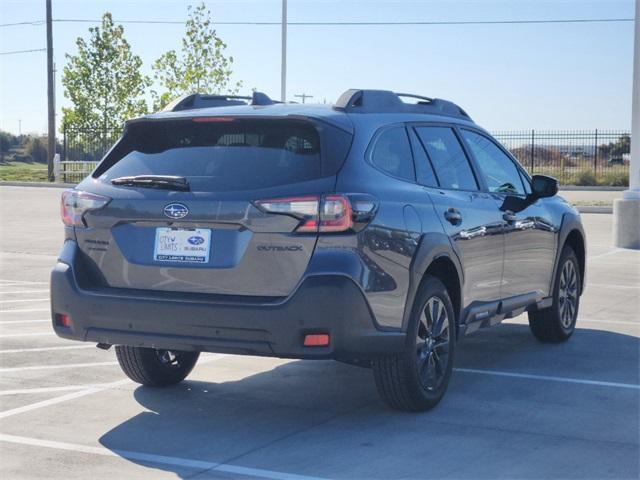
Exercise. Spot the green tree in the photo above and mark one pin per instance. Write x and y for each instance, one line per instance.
(36, 147)
(103, 80)
(616, 149)
(200, 66)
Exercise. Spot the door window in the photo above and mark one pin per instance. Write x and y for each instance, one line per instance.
(499, 171)
(447, 157)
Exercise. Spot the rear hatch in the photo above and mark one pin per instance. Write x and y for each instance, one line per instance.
(212, 237)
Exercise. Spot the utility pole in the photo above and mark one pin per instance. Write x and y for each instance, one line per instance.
(51, 123)
(283, 71)
(626, 210)
(304, 96)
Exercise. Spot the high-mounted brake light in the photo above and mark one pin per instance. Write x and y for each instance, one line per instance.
(213, 119)
(75, 203)
(326, 214)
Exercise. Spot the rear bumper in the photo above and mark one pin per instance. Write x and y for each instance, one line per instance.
(331, 304)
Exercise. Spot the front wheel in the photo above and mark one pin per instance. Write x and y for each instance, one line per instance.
(557, 323)
(154, 367)
(417, 379)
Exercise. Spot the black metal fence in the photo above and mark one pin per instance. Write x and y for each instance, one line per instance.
(87, 145)
(593, 157)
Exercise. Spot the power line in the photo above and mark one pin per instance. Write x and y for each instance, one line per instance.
(343, 24)
(35, 22)
(23, 51)
(305, 24)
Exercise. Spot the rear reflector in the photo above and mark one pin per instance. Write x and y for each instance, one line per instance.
(63, 320)
(316, 340)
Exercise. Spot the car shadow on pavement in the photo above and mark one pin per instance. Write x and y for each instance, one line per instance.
(224, 421)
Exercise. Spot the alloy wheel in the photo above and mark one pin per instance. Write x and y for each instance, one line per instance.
(568, 294)
(169, 358)
(432, 344)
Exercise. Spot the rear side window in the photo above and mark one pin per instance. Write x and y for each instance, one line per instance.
(392, 153)
(447, 157)
(424, 169)
(229, 154)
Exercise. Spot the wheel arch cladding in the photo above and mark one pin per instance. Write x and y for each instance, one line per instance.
(443, 268)
(575, 240)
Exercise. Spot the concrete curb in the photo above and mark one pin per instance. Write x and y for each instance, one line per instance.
(571, 188)
(587, 209)
(38, 184)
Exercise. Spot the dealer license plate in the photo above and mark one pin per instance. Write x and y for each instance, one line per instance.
(182, 245)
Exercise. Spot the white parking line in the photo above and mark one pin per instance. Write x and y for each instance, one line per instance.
(54, 367)
(613, 285)
(47, 349)
(25, 310)
(6, 322)
(156, 459)
(88, 391)
(580, 381)
(65, 388)
(63, 398)
(22, 291)
(35, 334)
(23, 300)
(21, 282)
(524, 321)
(605, 254)
(613, 322)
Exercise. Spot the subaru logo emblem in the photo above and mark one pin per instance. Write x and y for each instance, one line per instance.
(176, 210)
(195, 240)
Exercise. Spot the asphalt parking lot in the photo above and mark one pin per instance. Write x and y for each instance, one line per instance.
(515, 408)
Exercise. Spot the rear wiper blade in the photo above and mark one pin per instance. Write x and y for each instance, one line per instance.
(167, 182)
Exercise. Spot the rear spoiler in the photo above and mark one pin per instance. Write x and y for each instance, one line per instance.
(195, 101)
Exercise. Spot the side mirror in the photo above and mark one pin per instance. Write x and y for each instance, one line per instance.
(543, 186)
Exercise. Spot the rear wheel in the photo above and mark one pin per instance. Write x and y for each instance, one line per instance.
(154, 367)
(557, 323)
(416, 379)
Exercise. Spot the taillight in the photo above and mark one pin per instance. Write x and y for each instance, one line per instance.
(335, 214)
(75, 203)
(324, 214)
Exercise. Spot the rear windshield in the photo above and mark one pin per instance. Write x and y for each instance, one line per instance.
(227, 154)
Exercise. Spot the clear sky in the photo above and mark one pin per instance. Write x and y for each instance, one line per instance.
(551, 76)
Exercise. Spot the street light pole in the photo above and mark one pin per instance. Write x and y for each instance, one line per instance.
(626, 211)
(303, 96)
(51, 123)
(283, 71)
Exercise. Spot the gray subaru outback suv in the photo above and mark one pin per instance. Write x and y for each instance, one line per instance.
(376, 231)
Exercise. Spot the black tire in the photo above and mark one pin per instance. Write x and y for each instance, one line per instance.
(557, 323)
(404, 381)
(155, 368)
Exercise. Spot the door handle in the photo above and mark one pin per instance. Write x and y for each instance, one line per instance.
(453, 216)
(509, 216)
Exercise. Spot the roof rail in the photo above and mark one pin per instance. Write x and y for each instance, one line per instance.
(385, 101)
(199, 100)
